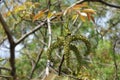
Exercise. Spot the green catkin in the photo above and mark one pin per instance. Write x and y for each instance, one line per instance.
(84, 39)
(55, 45)
(67, 52)
(66, 41)
(78, 57)
(76, 53)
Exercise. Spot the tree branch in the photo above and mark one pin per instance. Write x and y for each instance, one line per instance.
(9, 9)
(32, 31)
(6, 28)
(115, 62)
(2, 40)
(108, 4)
(49, 32)
(60, 66)
(34, 66)
(101, 1)
(12, 46)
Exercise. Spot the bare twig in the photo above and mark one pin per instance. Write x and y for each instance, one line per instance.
(2, 40)
(76, 29)
(108, 4)
(41, 41)
(29, 33)
(60, 66)
(30, 58)
(34, 66)
(49, 32)
(9, 10)
(49, 4)
(111, 26)
(115, 63)
(64, 74)
(32, 31)
(100, 1)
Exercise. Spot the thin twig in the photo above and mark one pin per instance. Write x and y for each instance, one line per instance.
(32, 31)
(115, 63)
(2, 40)
(108, 4)
(9, 10)
(30, 58)
(49, 32)
(111, 26)
(64, 74)
(37, 60)
(76, 29)
(100, 1)
(49, 4)
(41, 41)
(60, 66)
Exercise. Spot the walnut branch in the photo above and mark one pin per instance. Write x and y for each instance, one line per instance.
(32, 31)
(108, 4)
(12, 46)
(49, 32)
(101, 1)
(60, 66)
(36, 63)
(7, 30)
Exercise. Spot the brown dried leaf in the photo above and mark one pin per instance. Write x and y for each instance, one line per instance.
(92, 18)
(78, 6)
(83, 18)
(91, 11)
(38, 15)
(89, 16)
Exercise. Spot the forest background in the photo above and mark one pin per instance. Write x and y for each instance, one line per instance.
(59, 40)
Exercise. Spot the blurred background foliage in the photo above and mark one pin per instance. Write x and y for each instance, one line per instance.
(99, 65)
